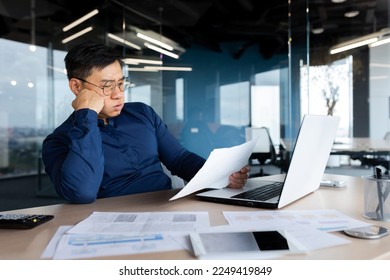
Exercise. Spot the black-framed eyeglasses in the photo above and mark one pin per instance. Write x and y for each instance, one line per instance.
(109, 86)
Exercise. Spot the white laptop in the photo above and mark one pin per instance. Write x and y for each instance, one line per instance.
(308, 162)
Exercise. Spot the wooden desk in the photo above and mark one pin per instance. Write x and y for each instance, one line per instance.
(29, 244)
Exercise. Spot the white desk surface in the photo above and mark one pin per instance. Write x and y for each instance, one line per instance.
(29, 244)
(355, 144)
(361, 144)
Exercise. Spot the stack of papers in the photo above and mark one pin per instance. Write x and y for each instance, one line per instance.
(111, 233)
(117, 233)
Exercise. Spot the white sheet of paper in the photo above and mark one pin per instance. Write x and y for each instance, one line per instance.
(219, 166)
(118, 233)
(141, 223)
(52, 246)
(79, 246)
(325, 220)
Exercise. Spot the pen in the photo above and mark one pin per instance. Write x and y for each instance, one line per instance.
(378, 176)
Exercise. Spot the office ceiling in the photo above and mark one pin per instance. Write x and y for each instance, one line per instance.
(208, 23)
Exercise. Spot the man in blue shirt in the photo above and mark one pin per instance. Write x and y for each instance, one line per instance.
(107, 147)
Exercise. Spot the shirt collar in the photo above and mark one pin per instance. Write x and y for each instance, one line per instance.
(110, 122)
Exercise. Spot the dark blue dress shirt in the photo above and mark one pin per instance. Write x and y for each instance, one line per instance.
(87, 159)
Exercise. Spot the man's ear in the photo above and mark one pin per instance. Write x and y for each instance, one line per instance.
(75, 85)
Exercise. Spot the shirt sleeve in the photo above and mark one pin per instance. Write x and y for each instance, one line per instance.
(74, 159)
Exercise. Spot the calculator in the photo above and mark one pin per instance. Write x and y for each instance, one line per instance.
(22, 221)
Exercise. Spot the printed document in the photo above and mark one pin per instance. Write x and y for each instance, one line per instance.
(324, 220)
(117, 233)
(141, 222)
(219, 166)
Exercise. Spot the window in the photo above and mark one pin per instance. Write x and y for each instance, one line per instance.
(327, 90)
(234, 104)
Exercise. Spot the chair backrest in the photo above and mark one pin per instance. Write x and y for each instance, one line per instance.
(264, 143)
(197, 137)
(177, 182)
(264, 148)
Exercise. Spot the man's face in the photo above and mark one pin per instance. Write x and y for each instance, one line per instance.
(113, 103)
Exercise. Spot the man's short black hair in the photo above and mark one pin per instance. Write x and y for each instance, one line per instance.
(82, 59)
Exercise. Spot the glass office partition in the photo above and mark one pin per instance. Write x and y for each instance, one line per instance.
(379, 88)
(237, 85)
(23, 89)
(59, 96)
(349, 78)
(328, 90)
(217, 94)
(299, 56)
(266, 104)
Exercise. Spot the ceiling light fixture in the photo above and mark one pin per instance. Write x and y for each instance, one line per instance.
(351, 46)
(351, 13)
(317, 29)
(80, 20)
(123, 41)
(379, 43)
(76, 35)
(154, 41)
(139, 69)
(136, 61)
(371, 40)
(130, 62)
(168, 68)
(160, 50)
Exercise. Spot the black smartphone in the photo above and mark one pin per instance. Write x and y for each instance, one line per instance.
(236, 244)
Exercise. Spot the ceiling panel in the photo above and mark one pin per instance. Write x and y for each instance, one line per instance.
(206, 22)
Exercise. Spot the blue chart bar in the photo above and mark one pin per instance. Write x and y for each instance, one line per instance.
(83, 240)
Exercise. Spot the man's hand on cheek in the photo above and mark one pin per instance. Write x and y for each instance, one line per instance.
(88, 99)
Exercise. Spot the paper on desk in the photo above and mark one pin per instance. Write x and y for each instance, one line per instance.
(79, 246)
(118, 233)
(64, 245)
(325, 220)
(141, 223)
(219, 166)
(52, 246)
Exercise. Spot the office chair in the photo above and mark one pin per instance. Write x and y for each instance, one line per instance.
(264, 150)
(177, 182)
(197, 137)
(228, 136)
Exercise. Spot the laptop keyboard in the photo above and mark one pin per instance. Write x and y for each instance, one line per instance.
(262, 193)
